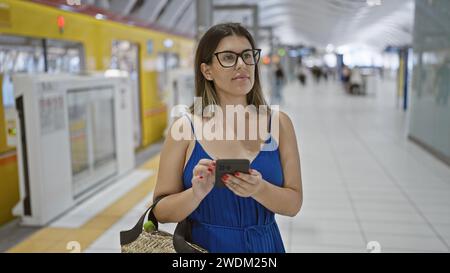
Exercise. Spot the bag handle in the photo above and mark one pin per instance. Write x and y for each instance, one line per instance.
(181, 234)
(131, 235)
(182, 231)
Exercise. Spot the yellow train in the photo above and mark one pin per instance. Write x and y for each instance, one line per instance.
(37, 37)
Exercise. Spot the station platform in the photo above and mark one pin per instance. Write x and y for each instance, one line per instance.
(366, 186)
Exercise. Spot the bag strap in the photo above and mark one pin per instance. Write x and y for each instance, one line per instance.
(131, 235)
(181, 234)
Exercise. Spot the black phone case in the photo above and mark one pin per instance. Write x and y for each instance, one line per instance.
(230, 166)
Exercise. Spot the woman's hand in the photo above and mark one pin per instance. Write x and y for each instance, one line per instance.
(203, 178)
(244, 185)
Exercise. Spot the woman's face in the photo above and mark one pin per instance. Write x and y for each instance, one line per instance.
(237, 80)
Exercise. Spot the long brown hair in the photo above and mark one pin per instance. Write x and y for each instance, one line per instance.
(205, 50)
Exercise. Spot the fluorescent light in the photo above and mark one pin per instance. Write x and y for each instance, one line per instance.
(372, 3)
(329, 48)
(168, 43)
(100, 16)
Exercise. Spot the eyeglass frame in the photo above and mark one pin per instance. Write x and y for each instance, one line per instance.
(258, 50)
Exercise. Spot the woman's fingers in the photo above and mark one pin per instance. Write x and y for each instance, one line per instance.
(254, 172)
(206, 162)
(234, 182)
(203, 169)
(197, 178)
(200, 170)
(252, 179)
(235, 186)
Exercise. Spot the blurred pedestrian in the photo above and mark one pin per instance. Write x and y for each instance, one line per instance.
(279, 82)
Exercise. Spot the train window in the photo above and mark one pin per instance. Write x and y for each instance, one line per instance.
(165, 61)
(64, 56)
(125, 56)
(18, 54)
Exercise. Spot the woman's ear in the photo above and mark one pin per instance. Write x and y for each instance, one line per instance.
(206, 71)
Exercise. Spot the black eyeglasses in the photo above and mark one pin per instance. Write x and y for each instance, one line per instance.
(229, 58)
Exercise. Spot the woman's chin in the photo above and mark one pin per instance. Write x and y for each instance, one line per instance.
(243, 89)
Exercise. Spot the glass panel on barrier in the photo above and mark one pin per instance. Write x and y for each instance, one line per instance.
(125, 57)
(103, 130)
(92, 137)
(78, 128)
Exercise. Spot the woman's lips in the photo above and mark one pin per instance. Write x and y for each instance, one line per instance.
(241, 78)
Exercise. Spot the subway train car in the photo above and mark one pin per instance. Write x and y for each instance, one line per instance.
(76, 40)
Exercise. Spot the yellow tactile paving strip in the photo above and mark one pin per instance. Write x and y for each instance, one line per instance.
(56, 239)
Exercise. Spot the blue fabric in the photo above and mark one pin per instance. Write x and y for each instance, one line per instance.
(225, 222)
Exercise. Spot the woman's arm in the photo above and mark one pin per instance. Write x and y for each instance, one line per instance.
(286, 200)
(180, 203)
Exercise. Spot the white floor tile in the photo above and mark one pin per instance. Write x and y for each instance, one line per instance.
(326, 249)
(109, 240)
(396, 228)
(411, 243)
(311, 225)
(329, 238)
(406, 216)
(101, 250)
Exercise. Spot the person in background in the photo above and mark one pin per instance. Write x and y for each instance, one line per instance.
(279, 82)
(345, 77)
(356, 82)
(301, 74)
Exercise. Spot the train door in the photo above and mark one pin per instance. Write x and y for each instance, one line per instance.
(125, 56)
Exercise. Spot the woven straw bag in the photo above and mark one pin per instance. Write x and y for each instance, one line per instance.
(137, 240)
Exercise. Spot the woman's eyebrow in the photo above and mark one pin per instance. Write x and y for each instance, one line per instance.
(227, 50)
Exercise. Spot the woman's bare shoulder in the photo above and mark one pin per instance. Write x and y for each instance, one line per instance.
(287, 135)
(284, 120)
(284, 116)
(179, 133)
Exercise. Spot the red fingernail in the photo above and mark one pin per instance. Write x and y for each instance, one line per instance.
(209, 169)
(236, 174)
(225, 177)
(201, 176)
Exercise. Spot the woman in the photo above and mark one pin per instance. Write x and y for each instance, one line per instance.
(239, 217)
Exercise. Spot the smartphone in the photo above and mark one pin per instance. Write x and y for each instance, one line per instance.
(230, 166)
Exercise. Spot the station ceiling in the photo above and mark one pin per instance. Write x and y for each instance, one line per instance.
(374, 23)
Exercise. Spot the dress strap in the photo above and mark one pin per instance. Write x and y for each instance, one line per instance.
(270, 121)
(192, 125)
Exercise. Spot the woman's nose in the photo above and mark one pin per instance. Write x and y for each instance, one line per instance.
(240, 62)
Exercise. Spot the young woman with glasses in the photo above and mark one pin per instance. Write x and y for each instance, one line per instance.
(240, 216)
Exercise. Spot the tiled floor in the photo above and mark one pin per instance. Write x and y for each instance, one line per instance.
(363, 180)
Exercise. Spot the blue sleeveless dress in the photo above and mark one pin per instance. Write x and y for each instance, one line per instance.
(225, 222)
